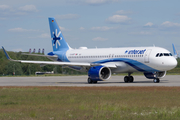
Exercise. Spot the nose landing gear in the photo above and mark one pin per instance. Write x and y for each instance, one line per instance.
(156, 80)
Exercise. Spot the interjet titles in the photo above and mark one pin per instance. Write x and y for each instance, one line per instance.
(135, 51)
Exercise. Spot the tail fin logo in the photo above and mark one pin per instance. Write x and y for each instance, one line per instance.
(56, 38)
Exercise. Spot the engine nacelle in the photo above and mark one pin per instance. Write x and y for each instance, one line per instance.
(161, 74)
(99, 73)
(151, 75)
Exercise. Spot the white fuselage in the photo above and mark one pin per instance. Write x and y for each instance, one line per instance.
(127, 59)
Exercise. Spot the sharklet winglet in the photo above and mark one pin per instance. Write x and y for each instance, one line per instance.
(8, 57)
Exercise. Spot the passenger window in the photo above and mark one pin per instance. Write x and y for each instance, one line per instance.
(157, 55)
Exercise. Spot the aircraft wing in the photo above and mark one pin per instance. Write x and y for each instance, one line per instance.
(58, 63)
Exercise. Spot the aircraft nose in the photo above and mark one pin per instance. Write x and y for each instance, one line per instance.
(173, 63)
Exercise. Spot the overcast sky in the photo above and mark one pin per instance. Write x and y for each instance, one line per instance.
(91, 23)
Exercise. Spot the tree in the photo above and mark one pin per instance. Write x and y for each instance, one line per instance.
(13, 68)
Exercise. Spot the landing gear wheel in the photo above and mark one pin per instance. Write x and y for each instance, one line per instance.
(126, 79)
(89, 80)
(131, 79)
(94, 82)
(156, 80)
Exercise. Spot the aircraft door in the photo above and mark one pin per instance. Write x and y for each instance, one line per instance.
(146, 56)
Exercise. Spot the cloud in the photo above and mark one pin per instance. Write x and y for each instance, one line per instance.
(67, 16)
(81, 28)
(99, 39)
(119, 19)
(141, 33)
(63, 28)
(99, 2)
(149, 24)
(170, 24)
(28, 8)
(122, 12)
(7, 11)
(45, 35)
(104, 28)
(17, 50)
(22, 30)
(4, 7)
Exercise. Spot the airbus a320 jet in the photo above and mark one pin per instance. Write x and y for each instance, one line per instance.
(100, 63)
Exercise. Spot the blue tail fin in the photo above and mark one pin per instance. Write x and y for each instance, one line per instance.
(58, 41)
(175, 52)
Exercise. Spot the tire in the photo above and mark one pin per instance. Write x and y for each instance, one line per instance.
(156, 80)
(89, 80)
(131, 79)
(94, 82)
(126, 79)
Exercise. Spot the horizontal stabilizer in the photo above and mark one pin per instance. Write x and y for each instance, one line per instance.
(55, 56)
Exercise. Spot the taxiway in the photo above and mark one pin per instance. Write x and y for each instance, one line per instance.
(169, 80)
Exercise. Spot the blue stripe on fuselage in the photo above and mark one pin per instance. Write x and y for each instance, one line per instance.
(133, 63)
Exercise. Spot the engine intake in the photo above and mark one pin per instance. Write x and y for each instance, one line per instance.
(99, 73)
(161, 74)
(151, 75)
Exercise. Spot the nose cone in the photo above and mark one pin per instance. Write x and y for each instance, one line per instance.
(172, 63)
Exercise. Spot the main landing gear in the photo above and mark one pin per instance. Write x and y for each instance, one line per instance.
(128, 78)
(91, 81)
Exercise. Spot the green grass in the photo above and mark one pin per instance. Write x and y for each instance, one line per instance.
(49, 103)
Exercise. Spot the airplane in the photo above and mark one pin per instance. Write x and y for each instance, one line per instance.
(101, 63)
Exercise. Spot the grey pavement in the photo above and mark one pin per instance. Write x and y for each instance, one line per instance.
(169, 80)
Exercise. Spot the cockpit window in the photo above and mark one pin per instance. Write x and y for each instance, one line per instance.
(166, 54)
(163, 54)
(157, 55)
(160, 55)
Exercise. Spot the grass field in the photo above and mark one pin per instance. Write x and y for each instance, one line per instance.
(91, 103)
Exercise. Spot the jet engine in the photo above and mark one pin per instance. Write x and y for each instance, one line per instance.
(151, 75)
(99, 73)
